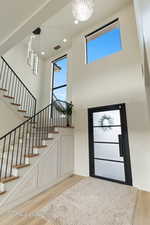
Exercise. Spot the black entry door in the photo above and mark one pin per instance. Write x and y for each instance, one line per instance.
(108, 144)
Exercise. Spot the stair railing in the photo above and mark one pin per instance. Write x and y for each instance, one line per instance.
(21, 143)
(15, 90)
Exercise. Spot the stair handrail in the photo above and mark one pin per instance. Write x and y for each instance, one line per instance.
(20, 142)
(11, 83)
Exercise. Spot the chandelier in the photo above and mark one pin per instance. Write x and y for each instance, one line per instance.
(33, 47)
(82, 9)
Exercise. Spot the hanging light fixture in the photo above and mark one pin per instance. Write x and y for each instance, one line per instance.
(82, 9)
(33, 45)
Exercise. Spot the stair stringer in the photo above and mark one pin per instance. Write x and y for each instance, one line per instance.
(35, 180)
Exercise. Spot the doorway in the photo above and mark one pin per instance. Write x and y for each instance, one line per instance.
(109, 154)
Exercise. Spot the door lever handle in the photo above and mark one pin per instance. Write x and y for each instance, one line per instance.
(121, 145)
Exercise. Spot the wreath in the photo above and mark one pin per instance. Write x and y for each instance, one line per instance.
(103, 121)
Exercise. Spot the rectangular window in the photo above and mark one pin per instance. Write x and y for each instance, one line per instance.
(103, 42)
(59, 89)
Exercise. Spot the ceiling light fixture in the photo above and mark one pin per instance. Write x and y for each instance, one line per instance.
(42, 53)
(76, 21)
(82, 9)
(65, 40)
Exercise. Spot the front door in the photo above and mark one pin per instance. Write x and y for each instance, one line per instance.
(108, 144)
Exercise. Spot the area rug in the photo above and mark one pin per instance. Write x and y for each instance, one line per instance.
(92, 202)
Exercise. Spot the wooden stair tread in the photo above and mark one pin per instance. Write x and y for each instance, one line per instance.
(21, 166)
(8, 179)
(3, 89)
(23, 111)
(7, 96)
(28, 117)
(40, 146)
(15, 104)
(31, 155)
(1, 193)
(48, 139)
(53, 132)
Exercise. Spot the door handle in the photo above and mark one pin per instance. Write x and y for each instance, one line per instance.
(121, 147)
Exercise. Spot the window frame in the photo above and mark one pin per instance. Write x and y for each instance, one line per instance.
(53, 72)
(94, 32)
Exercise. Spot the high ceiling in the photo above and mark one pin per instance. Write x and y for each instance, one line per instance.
(61, 25)
(19, 17)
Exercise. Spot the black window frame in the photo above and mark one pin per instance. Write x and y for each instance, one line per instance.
(94, 32)
(53, 72)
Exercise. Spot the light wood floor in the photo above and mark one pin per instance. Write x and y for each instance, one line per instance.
(141, 215)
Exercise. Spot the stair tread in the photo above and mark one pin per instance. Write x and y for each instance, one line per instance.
(31, 155)
(40, 146)
(48, 139)
(3, 192)
(28, 117)
(15, 104)
(21, 166)
(8, 179)
(7, 96)
(53, 132)
(21, 110)
(3, 89)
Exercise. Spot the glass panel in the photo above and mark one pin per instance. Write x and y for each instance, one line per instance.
(61, 93)
(107, 43)
(107, 118)
(107, 151)
(111, 170)
(60, 74)
(109, 134)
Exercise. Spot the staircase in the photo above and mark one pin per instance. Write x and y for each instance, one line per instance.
(23, 143)
(15, 92)
(22, 146)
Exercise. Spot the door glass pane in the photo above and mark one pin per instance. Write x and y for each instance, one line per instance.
(111, 170)
(110, 134)
(61, 93)
(107, 151)
(107, 118)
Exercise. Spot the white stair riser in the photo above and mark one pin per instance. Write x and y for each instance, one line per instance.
(50, 135)
(2, 187)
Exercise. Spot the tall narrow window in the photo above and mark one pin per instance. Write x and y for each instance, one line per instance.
(59, 89)
(103, 42)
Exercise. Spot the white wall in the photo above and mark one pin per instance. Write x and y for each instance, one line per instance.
(9, 118)
(17, 59)
(114, 79)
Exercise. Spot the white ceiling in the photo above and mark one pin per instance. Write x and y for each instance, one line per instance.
(61, 25)
(15, 12)
(19, 17)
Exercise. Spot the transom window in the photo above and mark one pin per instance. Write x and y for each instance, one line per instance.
(103, 42)
(59, 89)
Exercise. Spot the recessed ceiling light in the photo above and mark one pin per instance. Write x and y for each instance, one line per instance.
(65, 40)
(76, 21)
(42, 53)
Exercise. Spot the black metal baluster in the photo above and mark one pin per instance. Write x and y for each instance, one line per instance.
(26, 140)
(2, 66)
(18, 144)
(12, 155)
(2, 160)
(8, 155)
(22, 144)
(3, 78)
(6, 80)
